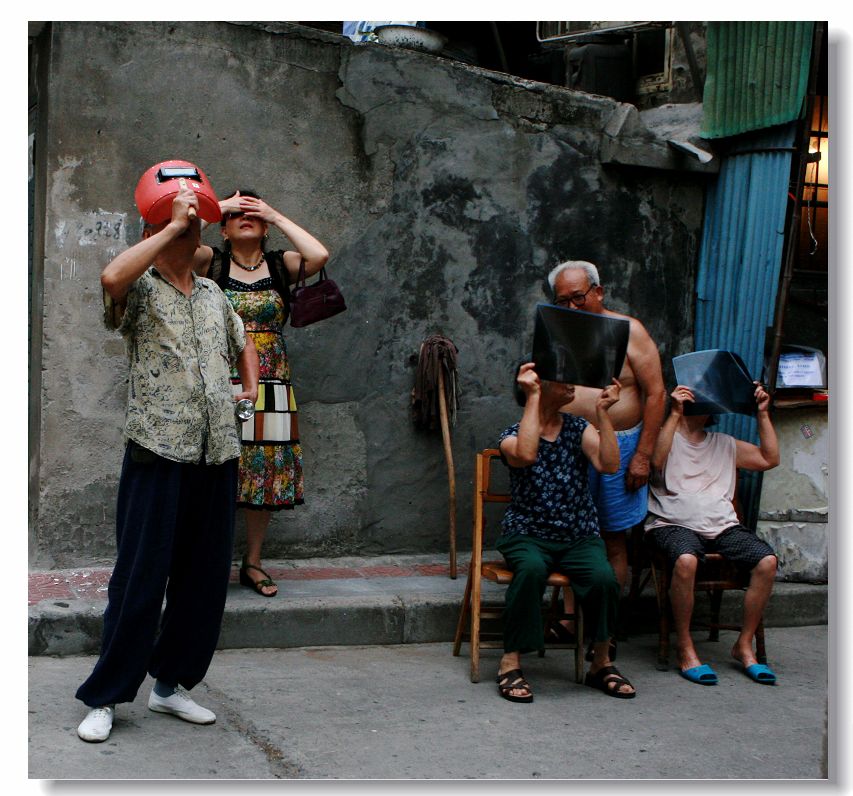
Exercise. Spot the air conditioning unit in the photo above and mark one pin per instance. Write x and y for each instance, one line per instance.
(615, 59)
(574, 31)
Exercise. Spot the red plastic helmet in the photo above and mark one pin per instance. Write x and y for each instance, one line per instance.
(157, 188)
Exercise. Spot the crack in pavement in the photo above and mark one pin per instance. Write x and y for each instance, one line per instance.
(281, 767)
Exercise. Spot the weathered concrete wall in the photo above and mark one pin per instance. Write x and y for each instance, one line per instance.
(445, 194)
(794, 510)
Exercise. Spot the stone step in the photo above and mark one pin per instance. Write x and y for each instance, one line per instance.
(381, 600)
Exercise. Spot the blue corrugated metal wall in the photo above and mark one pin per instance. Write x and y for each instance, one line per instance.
(741, 255)
(757, 75)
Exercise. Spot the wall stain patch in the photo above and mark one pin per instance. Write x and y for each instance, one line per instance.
(503, 255)
(449, 197)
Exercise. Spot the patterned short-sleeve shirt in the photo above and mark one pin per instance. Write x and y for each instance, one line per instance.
(550, 498)
(181, 349)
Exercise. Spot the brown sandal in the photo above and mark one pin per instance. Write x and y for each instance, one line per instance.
(609, 680)
(513, 680)
(257, 585)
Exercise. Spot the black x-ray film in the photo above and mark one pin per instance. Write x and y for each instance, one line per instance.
(720, 382)
(576, 347)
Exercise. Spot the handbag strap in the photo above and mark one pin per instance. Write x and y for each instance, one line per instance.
(300, 280)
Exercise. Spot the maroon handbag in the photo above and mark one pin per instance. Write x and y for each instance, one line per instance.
(312, 303)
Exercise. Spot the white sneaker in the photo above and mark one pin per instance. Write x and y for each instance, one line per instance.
(181, 705)
(97, 725)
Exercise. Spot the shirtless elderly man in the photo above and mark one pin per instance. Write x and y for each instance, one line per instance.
(622, 498)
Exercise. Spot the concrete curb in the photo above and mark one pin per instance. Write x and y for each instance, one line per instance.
(386, 610)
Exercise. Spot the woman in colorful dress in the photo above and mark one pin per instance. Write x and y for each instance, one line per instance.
(256, 282)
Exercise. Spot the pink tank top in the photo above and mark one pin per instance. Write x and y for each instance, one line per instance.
(697, 485)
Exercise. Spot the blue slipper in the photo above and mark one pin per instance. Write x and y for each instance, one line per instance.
(761, 673)
(704, 675)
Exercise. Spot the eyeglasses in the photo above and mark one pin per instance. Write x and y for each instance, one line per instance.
(578, 299)
(229, 216)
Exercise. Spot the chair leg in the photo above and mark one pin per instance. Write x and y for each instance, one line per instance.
(760, 651)
(663, 641)
(579, 652)
(716, 603)
(463, 615)
(662, 592)
(476, 596)
(552, 616)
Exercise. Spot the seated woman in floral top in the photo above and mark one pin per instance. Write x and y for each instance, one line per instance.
(551, 525)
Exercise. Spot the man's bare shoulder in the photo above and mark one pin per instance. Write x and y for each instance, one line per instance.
(613, 314)
(637, 331)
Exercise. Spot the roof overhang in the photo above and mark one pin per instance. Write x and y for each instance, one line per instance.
(660, 138)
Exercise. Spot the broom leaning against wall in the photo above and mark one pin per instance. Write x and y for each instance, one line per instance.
(434, 403)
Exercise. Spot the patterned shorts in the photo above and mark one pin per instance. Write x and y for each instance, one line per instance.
(738, 544)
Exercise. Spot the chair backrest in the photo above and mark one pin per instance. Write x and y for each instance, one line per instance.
(483, 493)
(485, 489)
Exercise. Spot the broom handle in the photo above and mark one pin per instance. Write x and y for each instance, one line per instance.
(451, 472)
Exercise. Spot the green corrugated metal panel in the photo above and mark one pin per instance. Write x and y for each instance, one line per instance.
(757, 75)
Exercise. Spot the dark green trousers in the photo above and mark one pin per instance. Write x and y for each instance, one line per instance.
(593, 582)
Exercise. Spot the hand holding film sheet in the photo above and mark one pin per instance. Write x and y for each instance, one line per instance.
(576, 347)
(720, 382)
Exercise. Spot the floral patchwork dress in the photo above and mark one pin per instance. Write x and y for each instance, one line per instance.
(271, 456)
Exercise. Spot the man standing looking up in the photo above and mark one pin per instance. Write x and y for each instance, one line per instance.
(175, 508)
(622, 498)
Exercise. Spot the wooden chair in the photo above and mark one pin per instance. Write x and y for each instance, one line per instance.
(477, 609)
(715, 576)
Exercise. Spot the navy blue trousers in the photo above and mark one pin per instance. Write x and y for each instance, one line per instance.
(175, 535)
